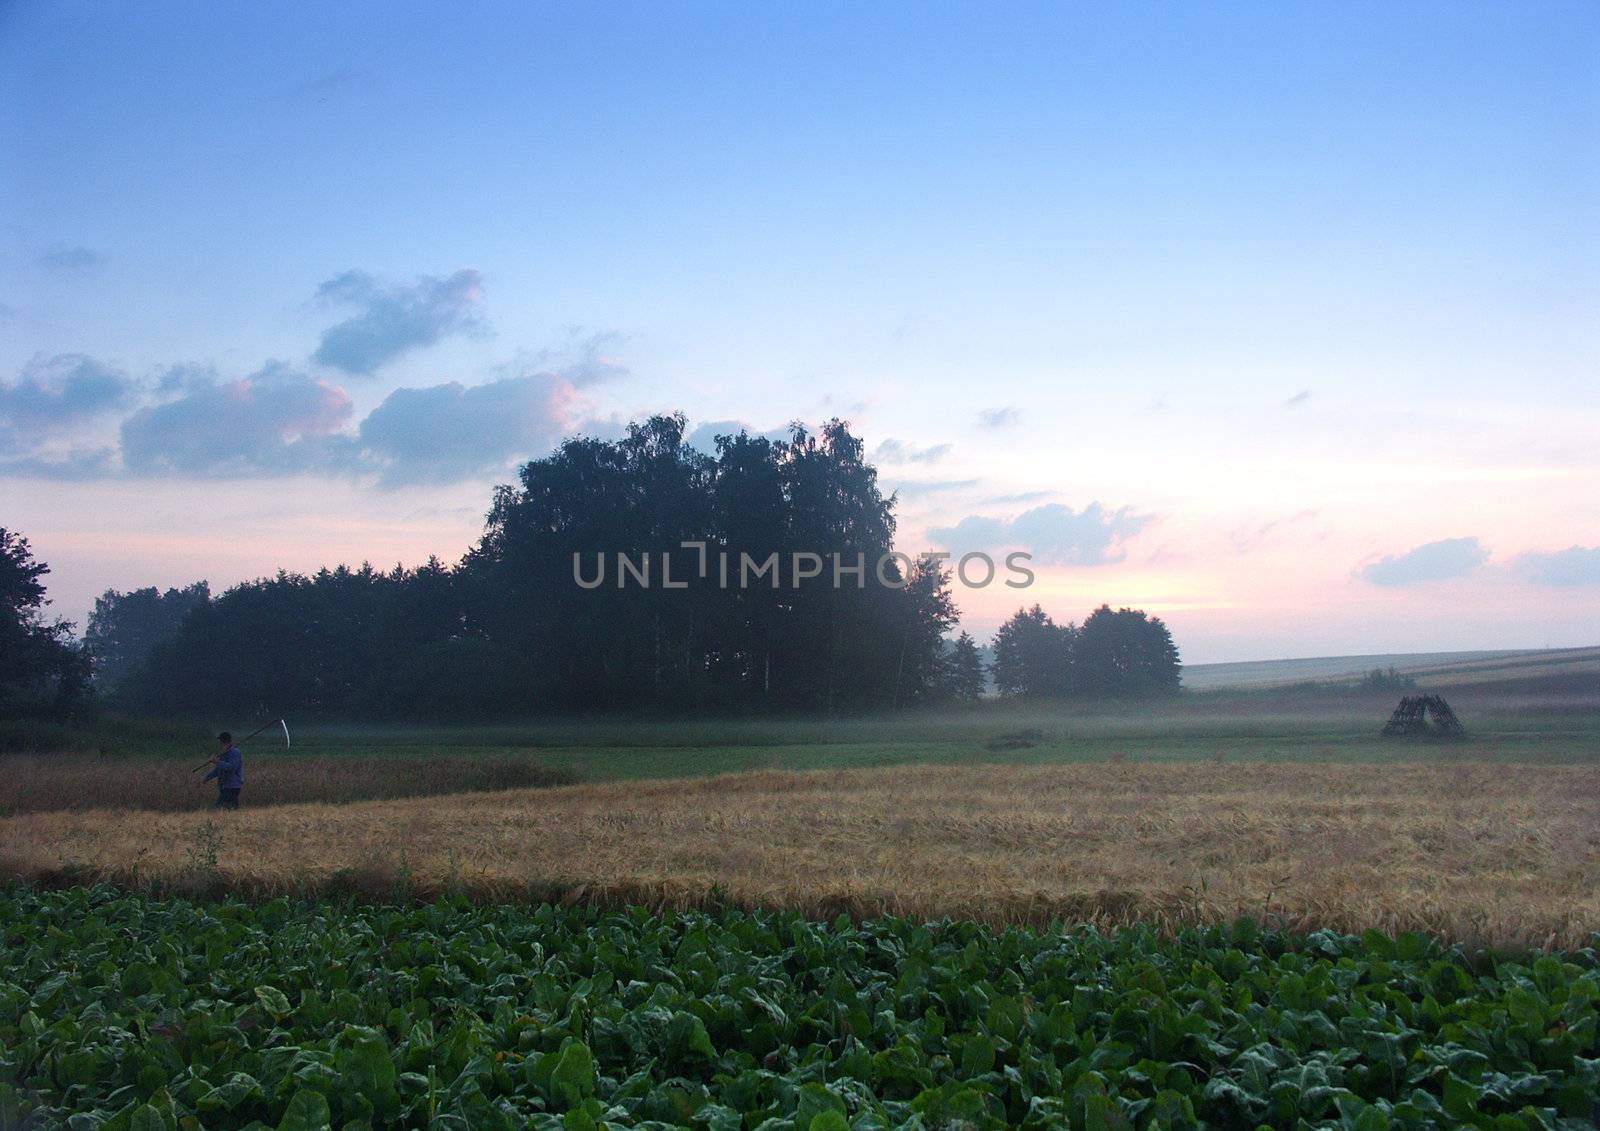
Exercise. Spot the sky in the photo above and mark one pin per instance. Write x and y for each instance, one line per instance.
(1280, 321)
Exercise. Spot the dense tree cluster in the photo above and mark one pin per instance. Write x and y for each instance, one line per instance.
(511, 630)
(42, 671)
(624, 575)
(1124, 653)
(339, 642)
(781, 643)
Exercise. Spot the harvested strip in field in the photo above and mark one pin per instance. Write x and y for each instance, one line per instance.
(35, 783)
(1472, 852)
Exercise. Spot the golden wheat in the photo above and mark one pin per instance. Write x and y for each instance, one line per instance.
(1476, 852)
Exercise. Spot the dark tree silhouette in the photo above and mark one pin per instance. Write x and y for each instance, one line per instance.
(1125, 653)
(807, 645)
(123, 627)
(42, 671)
(1114, 654)
(612, 646)
(330, 643)
(514, 630)
(1033, 656)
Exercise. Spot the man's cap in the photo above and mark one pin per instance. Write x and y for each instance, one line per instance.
(224, 737)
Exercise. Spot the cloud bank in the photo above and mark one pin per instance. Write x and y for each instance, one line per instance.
(1443, 560)
(1576, 565)
(189, 421)
(277, 421)
(445, 433)
(54, 394)
(1054, 533)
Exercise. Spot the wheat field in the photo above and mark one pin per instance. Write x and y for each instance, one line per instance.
(1483, 853)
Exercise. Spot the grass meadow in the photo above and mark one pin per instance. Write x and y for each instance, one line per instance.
(148, 766)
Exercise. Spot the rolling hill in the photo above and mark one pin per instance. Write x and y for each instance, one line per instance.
(1575, 669)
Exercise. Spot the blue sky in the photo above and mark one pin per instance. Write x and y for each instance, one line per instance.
(1263, 296)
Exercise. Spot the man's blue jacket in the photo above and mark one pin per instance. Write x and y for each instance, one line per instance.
(229, 770)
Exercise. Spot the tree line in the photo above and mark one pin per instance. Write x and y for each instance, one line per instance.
(509, 631)
(1121, 654)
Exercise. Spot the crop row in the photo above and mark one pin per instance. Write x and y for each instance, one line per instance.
(130, 1013)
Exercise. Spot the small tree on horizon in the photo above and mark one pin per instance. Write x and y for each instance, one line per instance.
(1126, 653)
(1122, 653)
(1033, 655)
(962, 674)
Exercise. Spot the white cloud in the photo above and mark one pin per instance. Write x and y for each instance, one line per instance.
(894, 451)
(277, 421)
(999, 417)
(1443, 560)
(53, 394)
(1054, 533)
(449, 432)
(394, 319)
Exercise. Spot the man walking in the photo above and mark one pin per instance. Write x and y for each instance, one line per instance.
(229, 772)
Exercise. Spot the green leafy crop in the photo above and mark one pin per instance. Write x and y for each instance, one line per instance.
(134, 1014)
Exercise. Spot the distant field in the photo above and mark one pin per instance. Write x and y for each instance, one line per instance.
(1248, 731)
(146, 765)
(1430, 669)
(1267, 801)
(347, 763)
(1469, 851)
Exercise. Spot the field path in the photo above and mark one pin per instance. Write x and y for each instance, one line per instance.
(1507, 854)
